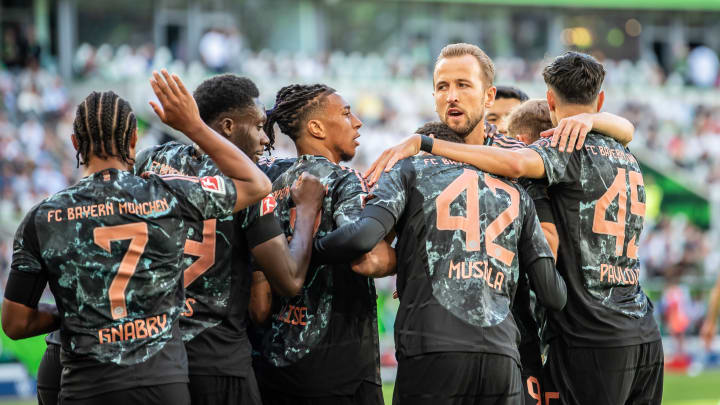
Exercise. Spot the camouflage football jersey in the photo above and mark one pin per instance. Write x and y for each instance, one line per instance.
(111, 248)
(324, 340)
(273, 167)
(216, 268)
(598, 200)
(462, 237)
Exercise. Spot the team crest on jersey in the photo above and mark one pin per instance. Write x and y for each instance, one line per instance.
(213, 184)
(267, 205)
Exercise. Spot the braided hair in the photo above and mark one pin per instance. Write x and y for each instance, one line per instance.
(104, 120)
(294, 104)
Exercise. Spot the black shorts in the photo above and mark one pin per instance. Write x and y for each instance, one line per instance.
(606, 375)
(367, 394)
(458, 379)
(166, 394)
(531, 374)
(49, 373)
(224, 390)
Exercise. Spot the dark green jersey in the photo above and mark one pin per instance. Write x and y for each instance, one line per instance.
(462, 237)
(216, 268)
(111, 248)
(324, 340)
(598, 202)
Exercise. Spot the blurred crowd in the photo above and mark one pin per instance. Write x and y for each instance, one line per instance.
(391, 94)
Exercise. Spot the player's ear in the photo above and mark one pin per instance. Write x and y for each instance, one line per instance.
(550, 99)
(133, 139)
(316, 129)
(600, 100)
(226, 127)
(75, 142)
(490, 96)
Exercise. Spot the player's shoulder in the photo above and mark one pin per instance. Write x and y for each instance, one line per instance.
(507, 142)
(273, 167)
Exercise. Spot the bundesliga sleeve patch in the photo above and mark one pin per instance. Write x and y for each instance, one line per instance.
(213, 184)
(267, 205)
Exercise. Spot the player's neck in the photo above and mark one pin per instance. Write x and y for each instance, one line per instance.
(572, 110)
(96, 165)
(308, 147)
(477, 136)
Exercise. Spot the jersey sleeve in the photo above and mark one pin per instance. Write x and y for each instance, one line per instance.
(204, 197)
(259, 222)
(27, 278)
(537, 190)
(557, 164)
(349, 196)
(392, 190)
(143, 160)
(532, 245)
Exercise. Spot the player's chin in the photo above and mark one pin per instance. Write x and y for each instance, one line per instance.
(348, 155)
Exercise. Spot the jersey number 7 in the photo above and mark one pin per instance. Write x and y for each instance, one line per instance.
(468, 182)
(137, 232)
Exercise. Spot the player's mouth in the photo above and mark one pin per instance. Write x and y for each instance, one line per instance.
(356, 141)
(455, 113)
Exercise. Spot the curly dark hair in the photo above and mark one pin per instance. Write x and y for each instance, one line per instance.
(294, 105)
(223, 93)
(575, 77)
(441, 131)
(103, 121)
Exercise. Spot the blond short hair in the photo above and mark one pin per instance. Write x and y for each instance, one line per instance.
(461, 49)
(531, 117)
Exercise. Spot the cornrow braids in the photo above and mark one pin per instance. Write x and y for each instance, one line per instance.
(293, 106)
(103, 120)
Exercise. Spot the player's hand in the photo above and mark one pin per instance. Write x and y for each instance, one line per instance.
(409, 147)
(308, 191)
(177, 107)
(707, 332)
(570, 132)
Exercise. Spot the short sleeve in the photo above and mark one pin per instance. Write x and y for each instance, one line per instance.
(392, 189)
(349, 195)
(27, 278)
(204, 197)
(556, 162)
(532, 239)
(259, 222)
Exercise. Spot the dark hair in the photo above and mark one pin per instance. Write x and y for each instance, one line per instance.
(293, 106)
(531, 117)
(441, 131)
(575, 77)
(511, 92)
(223, 93)
(104, 120)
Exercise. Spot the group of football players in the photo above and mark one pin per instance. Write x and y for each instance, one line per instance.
(209, 274)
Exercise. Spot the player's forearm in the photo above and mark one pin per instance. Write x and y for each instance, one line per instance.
(20, 322)
(381, 261)
(349, 242)
(251, 183)
(547, 283)
(551, 235)
(503, 162)
(301, 247)
(613, 126)
(260, 298)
